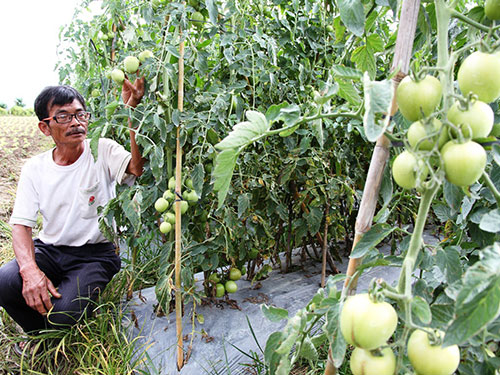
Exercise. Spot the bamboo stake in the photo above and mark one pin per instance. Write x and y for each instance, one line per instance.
(401, 61)
(178, 216)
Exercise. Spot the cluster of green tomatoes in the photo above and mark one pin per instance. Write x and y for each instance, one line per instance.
(368, 324)
(468, 119)
(130, 65)
(167, 202)
(226, 282)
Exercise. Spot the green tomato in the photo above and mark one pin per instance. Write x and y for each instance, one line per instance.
(192, 197)
(169, 217)
(417, 100)
(197, 19)
(463, 163)
(426, 137)
(253, 254)
(184, 207)
(131, 64)
(364, 362)
(146, 54)
(234, 274)
(219, 290)
(171, 183)
(367, 324)
(118, 76)
(478, 118)
(231, 286)
(165, 227)
(480, 74)
(189, 184)
(429, 359)
(407, 170)
(161, 204)
(492, 9)
(96, 93)
(168, 195)
(214, 277)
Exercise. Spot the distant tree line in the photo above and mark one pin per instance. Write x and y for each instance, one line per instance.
(18, 109)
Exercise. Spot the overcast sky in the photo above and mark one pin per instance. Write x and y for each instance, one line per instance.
(28, 40)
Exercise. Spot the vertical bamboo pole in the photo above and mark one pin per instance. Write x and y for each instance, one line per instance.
(401, 61)
(178, 216)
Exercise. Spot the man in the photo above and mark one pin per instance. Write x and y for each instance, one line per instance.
(55, 277)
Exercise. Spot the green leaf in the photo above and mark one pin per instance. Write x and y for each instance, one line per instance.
(448, 260)
(346, 72)
(490, 222)
(274, 314)
(421, 310)
(245, 133)
(307, 350)
(243, 204)
(198, 176)
(290, 114)
(274, 111)
(348, 91)
(364, 59)
(496, 153)
(213, 13)
(271, 357)
(317, 128)
(478, 302)
(375, 43)
(338, 345)
(378, 100)
(371, 239)
(223, 172)
(352, 15)
(314, 218)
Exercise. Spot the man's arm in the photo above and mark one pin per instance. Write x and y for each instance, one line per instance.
(132, 95)
(36, 286)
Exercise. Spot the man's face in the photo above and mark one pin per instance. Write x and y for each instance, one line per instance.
(71, 133)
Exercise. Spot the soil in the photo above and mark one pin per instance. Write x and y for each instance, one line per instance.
(20, 139)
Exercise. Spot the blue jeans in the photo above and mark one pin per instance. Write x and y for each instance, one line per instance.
(78, 273)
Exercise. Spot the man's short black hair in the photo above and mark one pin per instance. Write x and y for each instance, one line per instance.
(55, 95)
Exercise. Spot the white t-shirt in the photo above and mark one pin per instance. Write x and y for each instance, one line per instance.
(68, 196)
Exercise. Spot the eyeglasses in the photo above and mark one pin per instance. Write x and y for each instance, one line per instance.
(65, 118)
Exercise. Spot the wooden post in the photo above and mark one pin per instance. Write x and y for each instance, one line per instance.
(401, 62)
(178, 216)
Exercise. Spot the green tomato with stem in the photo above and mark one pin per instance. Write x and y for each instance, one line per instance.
(365, 323)
(479, 74)
(478, 119)
(417, 100)
(429, 359)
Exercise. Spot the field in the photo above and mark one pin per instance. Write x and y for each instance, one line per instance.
(20, 138)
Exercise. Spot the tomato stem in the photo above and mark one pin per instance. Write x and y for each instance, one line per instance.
(404, 284)
(492, 187)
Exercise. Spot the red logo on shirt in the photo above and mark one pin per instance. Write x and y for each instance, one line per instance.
(91, 200)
